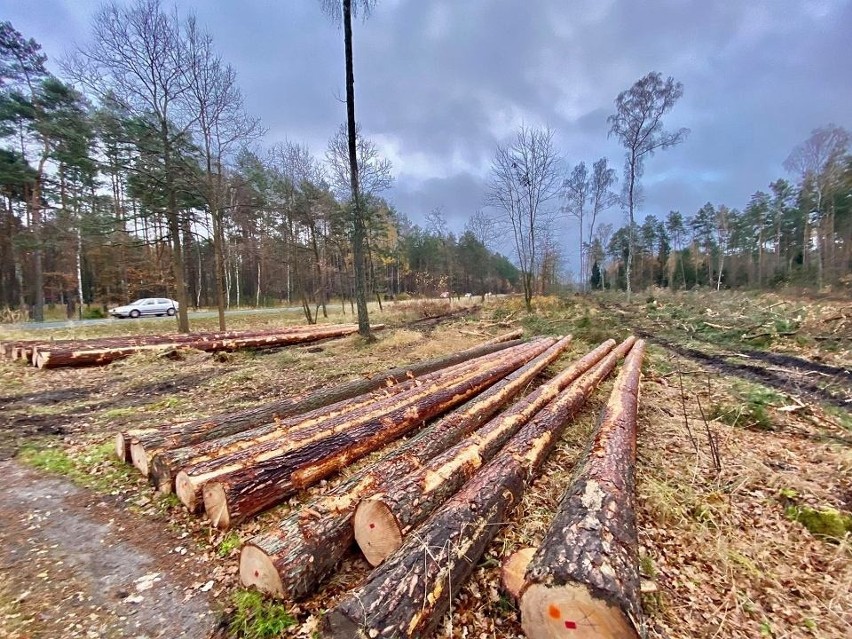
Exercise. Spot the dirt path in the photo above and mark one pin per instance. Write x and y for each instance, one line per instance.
(71, 566)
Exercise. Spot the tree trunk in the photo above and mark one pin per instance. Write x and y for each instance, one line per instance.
(384, 519)
(219, 266)
(291, 560)
(412, 590)
(266, 475)
(630, 205)
(165, 464)
(585, 574)
(358, 227)
(173, 215)
(38, 265)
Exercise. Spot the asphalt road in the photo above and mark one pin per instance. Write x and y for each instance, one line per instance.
(192, 315)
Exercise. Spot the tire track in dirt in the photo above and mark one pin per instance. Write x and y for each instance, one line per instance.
(791, 384)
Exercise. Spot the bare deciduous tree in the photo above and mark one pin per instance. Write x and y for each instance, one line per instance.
(137, 57)
(523, 183)
(222, 126)
(576, 188)
(638, 124)
(481, 226)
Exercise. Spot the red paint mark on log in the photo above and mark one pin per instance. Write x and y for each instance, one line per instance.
(554, 612)
(571, 625)
(372, 526)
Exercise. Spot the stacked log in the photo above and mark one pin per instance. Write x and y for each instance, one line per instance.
(54, 357)
(382, 520)
(165, 465)
(409, 593)
(243, 484)
(149, 442)
(585, 574)
(291, 560)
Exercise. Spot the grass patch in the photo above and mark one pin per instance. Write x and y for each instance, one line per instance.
(230, 542)
(257, 618)
(826, 522)
(752, 410)
(96, 468)
(118, 413)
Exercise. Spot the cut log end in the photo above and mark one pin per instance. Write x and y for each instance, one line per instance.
(216, 505)
(336, 625)
(376, 530)
(514, 569)
(187, 492)
(161, 475)
(257, 569)
(572, 611)
(139, 458)
(122, 447)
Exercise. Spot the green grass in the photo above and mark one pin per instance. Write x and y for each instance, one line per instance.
(230, 542)
(825, 522)
(96, 468)
(751, 409)
(257, 618)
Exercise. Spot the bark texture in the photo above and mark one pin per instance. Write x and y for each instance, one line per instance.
(166, 465)
(152, 441)
(586, 569)
(384, 519)
(411, 591)
(274, 475)
(291, 560)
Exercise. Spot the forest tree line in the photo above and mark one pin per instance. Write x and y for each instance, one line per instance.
(137, 187)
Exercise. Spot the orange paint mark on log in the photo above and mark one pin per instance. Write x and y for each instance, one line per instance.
(554, 612)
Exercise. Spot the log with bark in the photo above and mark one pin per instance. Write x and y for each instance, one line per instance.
(151, 441)
(168, 340)
(165, 465)
(254, 480)
(56, 357)
(293, 558)
(382, 520)
(585, 574)
(410, 592)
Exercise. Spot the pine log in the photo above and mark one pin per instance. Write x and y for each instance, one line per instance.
(269, 476)
(165, 465)
(152, 441)
(411, 591)
(292, 559)
(169, 340)
(513, 570)
(382, 520)
(585, 575)
(55, 358)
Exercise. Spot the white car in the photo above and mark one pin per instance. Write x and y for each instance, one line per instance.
(146, 306)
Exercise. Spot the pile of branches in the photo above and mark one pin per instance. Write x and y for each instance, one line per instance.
(53, 354)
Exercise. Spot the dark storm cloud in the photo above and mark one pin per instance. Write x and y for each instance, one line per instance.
(439, 83)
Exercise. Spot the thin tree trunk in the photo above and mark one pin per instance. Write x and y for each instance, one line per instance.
(358, 228)
(585, 574)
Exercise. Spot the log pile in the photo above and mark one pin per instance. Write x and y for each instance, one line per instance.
(407, 595)
(294, 557)
(256, 458)
(148, 442)
(56, 355)
(425, 512)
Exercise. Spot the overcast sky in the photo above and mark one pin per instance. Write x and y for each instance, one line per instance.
(440, 82)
